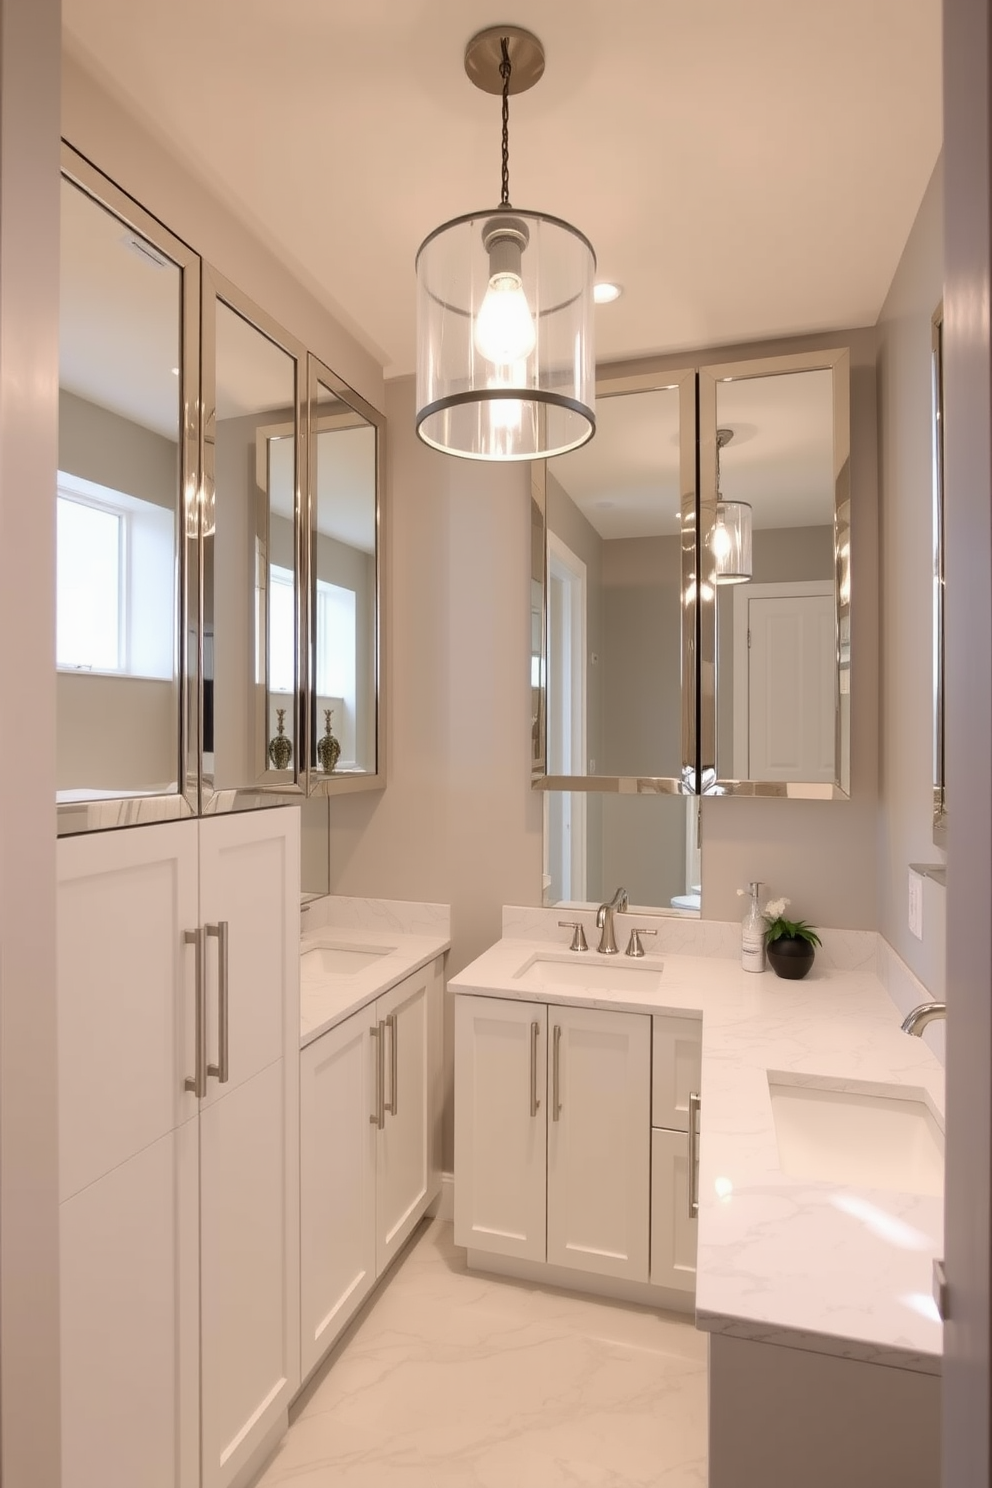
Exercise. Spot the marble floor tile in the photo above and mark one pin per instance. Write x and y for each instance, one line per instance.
(451, 1378)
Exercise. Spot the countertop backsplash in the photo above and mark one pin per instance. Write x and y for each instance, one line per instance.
(402, 916)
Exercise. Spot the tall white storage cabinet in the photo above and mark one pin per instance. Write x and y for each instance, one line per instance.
(178, 1072)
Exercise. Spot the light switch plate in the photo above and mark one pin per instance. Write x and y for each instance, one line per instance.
(915, 905)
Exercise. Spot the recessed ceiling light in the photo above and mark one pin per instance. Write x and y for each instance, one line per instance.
(604, 292)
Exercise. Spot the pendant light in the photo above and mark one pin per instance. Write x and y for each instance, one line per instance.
(730, 541)
(505, 361)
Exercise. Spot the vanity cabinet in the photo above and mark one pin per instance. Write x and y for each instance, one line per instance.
(676, 1068)
(178, 992)
(552, 1134)
(370, 1105)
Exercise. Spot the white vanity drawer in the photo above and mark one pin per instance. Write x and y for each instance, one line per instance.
(676, 1048)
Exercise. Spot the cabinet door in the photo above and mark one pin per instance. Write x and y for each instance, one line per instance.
(337, 1182)
(676, 1069)
(250, 881)
(501, 1126)
(129, 1262)
(673, 1231)
(403, 1156)
(249, 1267)
(126, 994)
(599, 1128)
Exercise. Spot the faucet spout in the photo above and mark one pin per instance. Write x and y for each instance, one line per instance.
(604, 922)
(917, 1020)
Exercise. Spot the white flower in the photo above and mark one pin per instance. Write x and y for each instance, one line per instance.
(775, 908)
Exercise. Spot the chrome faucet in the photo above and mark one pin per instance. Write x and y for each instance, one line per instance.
(917, 1020)
(604, 922)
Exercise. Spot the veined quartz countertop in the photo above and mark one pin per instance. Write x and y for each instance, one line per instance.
(835, 1269)
(328, 1000)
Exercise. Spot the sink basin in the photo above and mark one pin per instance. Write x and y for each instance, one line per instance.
(862, 1137)
(588, 969)
(339, 960)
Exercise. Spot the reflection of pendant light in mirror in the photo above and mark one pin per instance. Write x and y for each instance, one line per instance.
(505, 362)
(730, 542)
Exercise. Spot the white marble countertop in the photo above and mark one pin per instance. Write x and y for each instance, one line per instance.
(838, 1270)
(328, 1000)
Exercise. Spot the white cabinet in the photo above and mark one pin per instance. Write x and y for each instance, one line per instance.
(179, 1213)
(501, 1126)
(677, 1059)
(552, 1129)
(369, 1113)
(598, 1141)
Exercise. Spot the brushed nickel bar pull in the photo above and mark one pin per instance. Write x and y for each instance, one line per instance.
(535, 1033)
(377, 1118)
(556, 1076)
(222, 1069)
(392, 1105)
(197, 1083)
(693, 1134)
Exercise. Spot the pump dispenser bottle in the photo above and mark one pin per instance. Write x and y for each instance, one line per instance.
(753, 932)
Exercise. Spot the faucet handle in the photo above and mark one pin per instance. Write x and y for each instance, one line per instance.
(578, 934)
(634, 947)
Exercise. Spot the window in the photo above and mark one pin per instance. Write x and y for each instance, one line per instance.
(336, 642)
(282, 630)
(116, 581)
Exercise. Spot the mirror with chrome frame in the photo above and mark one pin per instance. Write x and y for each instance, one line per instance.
(939, 743)
(128, 390)
(254, 382)
(345, 441)
(775, 549)
(619, 636)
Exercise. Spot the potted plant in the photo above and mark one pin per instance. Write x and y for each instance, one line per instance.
(788, 943)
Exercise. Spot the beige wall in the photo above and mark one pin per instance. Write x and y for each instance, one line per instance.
(906, 536)
(193, 210)
(119, 733)
(116, 452)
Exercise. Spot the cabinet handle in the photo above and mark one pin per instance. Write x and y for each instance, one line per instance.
(378, 1117)
(556, 1076)
(693, 1135)
(392, 1105)
(535, 1033)
(197, 1083)
(222, 1069)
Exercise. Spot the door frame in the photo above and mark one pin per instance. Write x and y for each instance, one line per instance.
(568, 674)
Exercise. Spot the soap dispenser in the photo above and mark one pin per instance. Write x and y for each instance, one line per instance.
(753, 932)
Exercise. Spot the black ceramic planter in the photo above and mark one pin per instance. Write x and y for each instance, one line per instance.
(790, 956)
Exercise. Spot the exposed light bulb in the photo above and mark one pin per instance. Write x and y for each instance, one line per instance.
(720, 543)
(504, 326)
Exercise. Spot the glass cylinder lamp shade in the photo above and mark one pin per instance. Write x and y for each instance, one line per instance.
(731, 542)
(505, 359)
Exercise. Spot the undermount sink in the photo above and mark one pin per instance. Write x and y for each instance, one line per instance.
(863, 1137)
(339, 960)
(588, 969)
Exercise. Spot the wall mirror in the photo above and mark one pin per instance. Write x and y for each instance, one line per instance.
(345, 455)
(619, 627)
(251, 528)
(128, 389)
(939, 750)
(775, 577)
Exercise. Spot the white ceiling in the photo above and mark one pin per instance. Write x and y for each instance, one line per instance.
(743, 169)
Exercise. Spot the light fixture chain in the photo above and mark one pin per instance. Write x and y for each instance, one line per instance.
(504, 72)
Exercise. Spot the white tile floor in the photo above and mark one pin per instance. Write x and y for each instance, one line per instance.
(454, 1380)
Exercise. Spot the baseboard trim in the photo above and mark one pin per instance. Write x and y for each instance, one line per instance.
(443, 1206)
(614, 1288)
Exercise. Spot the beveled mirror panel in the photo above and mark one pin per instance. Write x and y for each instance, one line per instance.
(775, 453)
(128, 386)
(939, 743)
(345, 453)
(595, 841)
(253, 612)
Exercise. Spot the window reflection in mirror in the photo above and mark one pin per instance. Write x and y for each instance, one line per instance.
(939, 744)
(118, 498)
(251, 599)
(776, 628)
(343, 598)
(614, 658)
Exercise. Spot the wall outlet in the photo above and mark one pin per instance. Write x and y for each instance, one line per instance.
(915, 905)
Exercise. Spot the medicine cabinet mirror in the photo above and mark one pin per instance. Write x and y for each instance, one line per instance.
(669, 669)
(128, 390)
(939, 749)
(219, 538)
